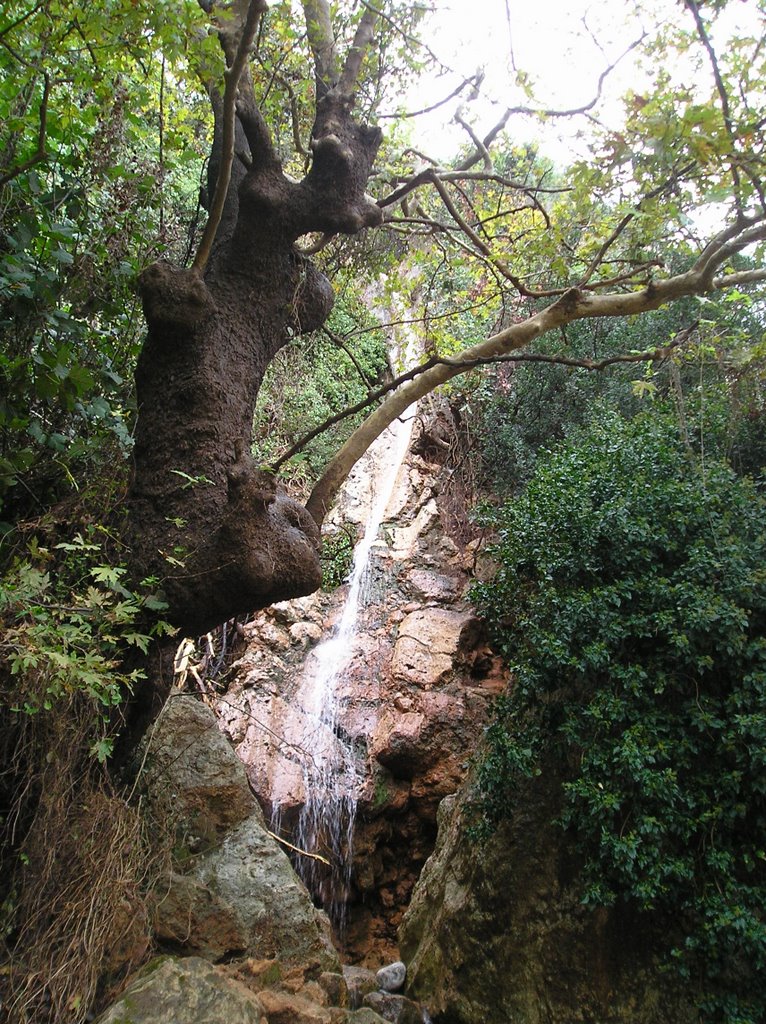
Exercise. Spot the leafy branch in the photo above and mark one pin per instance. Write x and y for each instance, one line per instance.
(462, 365)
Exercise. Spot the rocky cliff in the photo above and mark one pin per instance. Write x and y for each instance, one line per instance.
(411, 700)
(496, 933)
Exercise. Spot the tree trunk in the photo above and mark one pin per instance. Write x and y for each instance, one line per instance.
(215, 530)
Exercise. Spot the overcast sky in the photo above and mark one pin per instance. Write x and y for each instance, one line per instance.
(563, 47)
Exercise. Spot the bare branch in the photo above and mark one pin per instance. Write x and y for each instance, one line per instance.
(490, 137)
(739, 278)
(472, 81)
(426, 177)
(723, 95)
(603, 249)
(463, 365)
(255, 11)
(480, 147)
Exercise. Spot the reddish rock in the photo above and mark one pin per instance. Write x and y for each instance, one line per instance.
(413, 697)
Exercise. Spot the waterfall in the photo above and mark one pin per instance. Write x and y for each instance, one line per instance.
(330, 771)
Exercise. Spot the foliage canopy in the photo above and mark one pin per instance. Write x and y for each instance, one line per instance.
(630, 602)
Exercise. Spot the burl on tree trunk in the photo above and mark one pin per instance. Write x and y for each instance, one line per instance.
(219, 534)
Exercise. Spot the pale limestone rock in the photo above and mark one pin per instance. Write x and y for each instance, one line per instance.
(189, 991)
(435, 586)
(192, 773)
(254, 877)
(243, 898)
(305, 633)
(429, 641)
(391, 977)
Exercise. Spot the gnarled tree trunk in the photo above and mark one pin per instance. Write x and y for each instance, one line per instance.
(221, 537)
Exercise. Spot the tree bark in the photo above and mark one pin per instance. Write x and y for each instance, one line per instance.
(217, 532)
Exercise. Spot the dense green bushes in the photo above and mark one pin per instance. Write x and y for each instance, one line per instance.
(630, 602)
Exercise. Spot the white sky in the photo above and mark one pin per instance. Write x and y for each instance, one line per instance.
(563, 45)
(547, 39)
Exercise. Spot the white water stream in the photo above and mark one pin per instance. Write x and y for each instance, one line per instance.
(330, 770)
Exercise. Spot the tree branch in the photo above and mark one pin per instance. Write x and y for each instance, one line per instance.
(362, 39)
(464, 365)
(575, 304)
(490, 137)
(21, 19)
(723, 95)
(39, 153)
(255, 11)
(322, 43)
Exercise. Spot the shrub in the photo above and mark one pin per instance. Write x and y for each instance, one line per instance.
(630, 602)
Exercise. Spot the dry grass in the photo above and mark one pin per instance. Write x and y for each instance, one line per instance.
(79, 865)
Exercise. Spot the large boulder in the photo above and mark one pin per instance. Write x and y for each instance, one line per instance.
(244, 899)
(189, 991)
(191, 774)
(233, 891)
(496, 931)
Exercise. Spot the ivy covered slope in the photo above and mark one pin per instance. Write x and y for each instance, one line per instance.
(630, 603)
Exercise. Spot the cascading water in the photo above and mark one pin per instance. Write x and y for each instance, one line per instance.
(330, 771)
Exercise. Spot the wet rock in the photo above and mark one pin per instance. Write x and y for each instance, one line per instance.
(305, 633)
(391, 978)
(364, 1016)
(412, 698)
(294, 1008)
(335, 988)
(393, 1008)
(189, 991)
(360, 982)
(192, 775)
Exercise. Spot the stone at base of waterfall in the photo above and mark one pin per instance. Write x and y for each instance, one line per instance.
(243, 898)
(391, 978)
(189, 991)
(394, 1008)
(282, 1007)
(360, 981)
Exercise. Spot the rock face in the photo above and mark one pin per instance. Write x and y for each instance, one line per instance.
(496, 933)
(412, 698)
(193, 991)
(233, 891)
(181, 992)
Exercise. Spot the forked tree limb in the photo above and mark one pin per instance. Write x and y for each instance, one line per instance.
(576, 304)
(464, 365)
(255, 11)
